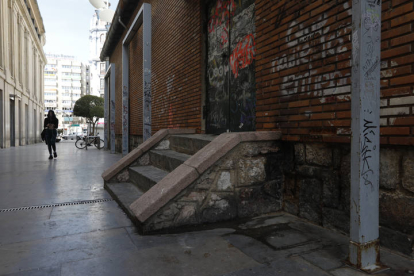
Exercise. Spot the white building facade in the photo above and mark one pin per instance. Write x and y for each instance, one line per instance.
(97, 36)
(63, 87)
(22, 59)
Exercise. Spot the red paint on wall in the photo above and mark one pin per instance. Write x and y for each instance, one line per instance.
(243, 55)
(221, 13)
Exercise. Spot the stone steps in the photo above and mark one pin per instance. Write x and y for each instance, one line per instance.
(167, 160)
(174, 152)
(124, 193)
(144, 177)
(190, 143)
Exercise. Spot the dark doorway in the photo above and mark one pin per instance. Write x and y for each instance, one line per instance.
(231, 85)
(34, 127)
(12, 124)
(26, 123)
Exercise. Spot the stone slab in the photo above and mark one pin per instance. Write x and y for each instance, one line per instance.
(124, 194)
(167, 159)
(347, 271)
(255, 249)
(50, 252)
(396, 240)
(206, 157)
(329, 258)
(294, 266)
(29, 178)
(208, 256)
(163, 192)
(144, 177)
(60, 221)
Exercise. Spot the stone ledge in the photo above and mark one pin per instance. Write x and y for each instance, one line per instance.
(165, 190)
(216, 149)
(220, 146)
(140, 150)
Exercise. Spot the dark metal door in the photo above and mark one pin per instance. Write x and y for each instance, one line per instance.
(231, 93)
(12, 124)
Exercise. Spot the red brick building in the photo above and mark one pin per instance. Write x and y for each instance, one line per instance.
(254, 65)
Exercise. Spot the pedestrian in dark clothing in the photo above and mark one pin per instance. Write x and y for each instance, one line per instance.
(51, 124)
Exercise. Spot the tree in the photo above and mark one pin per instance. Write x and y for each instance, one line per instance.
(91, 108)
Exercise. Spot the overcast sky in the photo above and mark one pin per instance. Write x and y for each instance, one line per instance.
(67, 26)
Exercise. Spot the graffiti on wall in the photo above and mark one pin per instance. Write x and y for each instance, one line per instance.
(230, 66)
(370, 66)
(112, 126)
(243, 55)
(303, 42)
(125, 120)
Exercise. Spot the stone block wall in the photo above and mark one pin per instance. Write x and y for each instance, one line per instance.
(246, 182)
(318, 189)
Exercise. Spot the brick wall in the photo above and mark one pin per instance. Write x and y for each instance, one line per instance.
(176, 68)
(303, 70)
(176, 64)
(116, 58)
(135, 84)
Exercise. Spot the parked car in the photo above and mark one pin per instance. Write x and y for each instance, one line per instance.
(73, 136)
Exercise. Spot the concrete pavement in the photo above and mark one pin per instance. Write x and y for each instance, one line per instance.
(96, 238)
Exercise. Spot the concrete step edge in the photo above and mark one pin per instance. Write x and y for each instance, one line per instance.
(150, 176)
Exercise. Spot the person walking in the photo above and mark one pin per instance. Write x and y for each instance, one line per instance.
(51, 124)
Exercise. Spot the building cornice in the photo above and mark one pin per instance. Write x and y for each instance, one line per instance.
(124, 12)
(29, 24)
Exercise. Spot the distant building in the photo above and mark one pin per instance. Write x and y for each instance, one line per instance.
(85, 85)
(97, 36)
(64, 77)
(22, 59)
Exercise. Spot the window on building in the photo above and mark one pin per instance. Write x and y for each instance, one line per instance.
(26, 56)
(102, 38)
(20, 55)
(34, 73)
(102, 83)
(102, 68)
(11, 37)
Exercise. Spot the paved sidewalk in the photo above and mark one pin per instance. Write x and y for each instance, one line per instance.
(97, 239)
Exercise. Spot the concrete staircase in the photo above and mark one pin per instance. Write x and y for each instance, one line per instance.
(178, 178)
(153, 166)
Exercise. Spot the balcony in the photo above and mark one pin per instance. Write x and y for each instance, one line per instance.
(50, 104)
(48, 97)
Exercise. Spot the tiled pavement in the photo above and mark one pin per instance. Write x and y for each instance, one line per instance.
(98, 239)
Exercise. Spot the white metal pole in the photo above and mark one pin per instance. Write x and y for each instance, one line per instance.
(364, 252)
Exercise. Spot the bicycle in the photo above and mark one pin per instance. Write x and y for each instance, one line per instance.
(88, 141)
